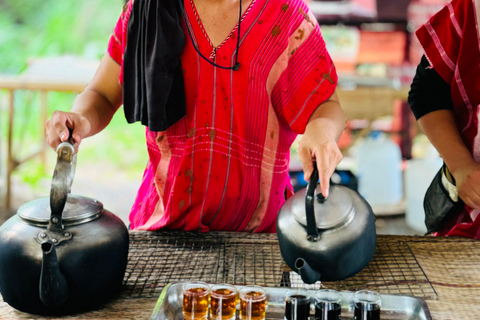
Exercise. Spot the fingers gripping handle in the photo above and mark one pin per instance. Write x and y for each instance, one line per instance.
(312, 230)
(61, 183)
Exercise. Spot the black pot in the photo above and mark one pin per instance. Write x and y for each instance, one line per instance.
(326, 239)
(64, 253)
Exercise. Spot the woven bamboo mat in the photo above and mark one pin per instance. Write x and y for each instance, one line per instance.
(457, 282)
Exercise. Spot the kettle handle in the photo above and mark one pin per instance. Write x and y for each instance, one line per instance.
(312, 230)
(61, 183)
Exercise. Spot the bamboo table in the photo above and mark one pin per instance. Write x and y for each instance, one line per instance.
(442, 271)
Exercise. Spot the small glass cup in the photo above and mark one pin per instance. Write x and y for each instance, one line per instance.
(328, 305)
(297, 304)
(253, 303)
(223, 302)
(367, 305)
(195, 300)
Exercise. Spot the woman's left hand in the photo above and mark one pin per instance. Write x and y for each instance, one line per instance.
(319, 142)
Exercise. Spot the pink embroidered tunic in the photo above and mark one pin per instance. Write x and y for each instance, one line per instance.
(224, 166)
(451, 40)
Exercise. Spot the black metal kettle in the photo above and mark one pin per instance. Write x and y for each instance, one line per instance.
(326, 239)
(64, 253)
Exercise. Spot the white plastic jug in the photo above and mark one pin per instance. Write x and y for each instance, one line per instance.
(379, 171)
(418, 176)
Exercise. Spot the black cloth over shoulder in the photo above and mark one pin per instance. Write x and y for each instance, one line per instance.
(153, 85)
(428, 91)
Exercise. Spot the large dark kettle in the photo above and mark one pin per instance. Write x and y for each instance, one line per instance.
(64, 253)
(326, 239)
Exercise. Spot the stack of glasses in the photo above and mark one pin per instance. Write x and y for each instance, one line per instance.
(223, 301)
(219, 302)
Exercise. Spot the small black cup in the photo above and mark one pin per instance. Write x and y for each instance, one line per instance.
(328, 305)
(297, 304)
(367, 305)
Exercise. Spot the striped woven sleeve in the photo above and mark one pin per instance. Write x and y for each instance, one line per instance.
(118, 40)
(310, 77)
(441, 37)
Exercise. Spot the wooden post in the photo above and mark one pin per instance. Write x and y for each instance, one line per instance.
(10, 161)
(43, 119)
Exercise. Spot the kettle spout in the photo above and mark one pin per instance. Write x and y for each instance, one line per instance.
(305, 271)
(53, 284)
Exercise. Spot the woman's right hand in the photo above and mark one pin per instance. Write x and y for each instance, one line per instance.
(467, 179)
(59, 127)
(441, 128)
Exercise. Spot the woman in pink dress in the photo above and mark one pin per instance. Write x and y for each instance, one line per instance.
(223, 88)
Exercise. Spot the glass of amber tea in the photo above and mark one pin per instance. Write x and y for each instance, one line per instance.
(223, 302)
(196, 296)
(253, 303)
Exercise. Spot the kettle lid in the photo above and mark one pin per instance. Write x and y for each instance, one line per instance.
(336, 210)
(77, 210)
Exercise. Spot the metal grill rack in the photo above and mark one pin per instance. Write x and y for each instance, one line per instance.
(393, 270)
(158, 258)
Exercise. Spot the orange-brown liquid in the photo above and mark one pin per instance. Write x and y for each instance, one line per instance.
(223, 305)
(254, 307)
(195, 304)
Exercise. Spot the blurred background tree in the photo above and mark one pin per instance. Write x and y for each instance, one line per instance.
(32, 29)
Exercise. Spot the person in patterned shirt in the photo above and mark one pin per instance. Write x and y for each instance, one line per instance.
(445, 99)
(255, 73)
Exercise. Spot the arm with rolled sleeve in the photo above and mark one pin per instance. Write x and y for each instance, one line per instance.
(431, 103)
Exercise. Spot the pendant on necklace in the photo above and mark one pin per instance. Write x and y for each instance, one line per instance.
(213, 54)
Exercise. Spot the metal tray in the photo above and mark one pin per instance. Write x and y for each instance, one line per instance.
(394, 307)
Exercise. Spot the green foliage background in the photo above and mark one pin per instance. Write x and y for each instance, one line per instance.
(35, 29)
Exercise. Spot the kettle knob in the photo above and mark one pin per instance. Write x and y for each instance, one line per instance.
(320, 198)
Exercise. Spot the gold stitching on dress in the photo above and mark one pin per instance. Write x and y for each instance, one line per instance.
(212, 134)
(181, 204)
(301, 34)
(275, 31)
(327, 77)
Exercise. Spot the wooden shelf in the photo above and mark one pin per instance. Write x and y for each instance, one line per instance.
(370, 102)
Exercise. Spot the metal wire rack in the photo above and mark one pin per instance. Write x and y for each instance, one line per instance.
(158, 258)
(393, 270)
